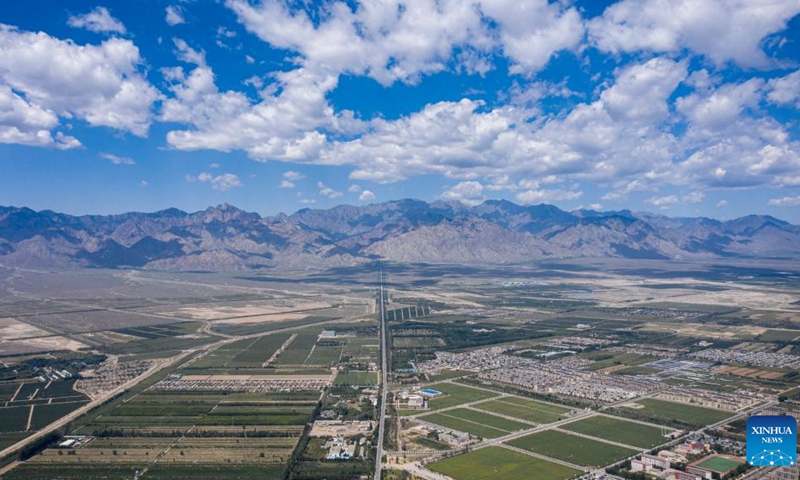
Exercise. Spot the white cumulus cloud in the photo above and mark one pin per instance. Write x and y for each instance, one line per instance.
(326, 191)
(101, 84)
(469, 193)
(366, 196)
(223, 182)
(174, 15)
(117, 160)
(663, 202)
(98, 20)
(785, 201)
(292, 175)
(722, 30)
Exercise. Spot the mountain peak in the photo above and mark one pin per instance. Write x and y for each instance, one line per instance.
(227, 213)
(496, 231)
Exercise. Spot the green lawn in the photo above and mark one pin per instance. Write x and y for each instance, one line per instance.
(683, 411)
(529, 410)
(571, 448)
(617, 430)
(497, 463)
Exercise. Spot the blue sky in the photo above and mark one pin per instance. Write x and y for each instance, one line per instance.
(684, 107)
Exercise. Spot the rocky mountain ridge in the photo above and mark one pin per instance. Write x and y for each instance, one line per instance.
(496, 231)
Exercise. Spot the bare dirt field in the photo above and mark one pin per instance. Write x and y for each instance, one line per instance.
(275, 317)
(708, 331)
(12, 329)
(209, 312)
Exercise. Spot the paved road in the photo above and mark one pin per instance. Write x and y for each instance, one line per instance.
(384, 383)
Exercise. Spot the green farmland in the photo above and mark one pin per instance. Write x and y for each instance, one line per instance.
(357, 378)
(688, 413)
(476, 423)
(454, 395)
(617, 430)
(571, 448)
(529, 410)
(498, 463)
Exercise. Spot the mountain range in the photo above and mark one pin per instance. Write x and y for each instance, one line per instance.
(496, 231)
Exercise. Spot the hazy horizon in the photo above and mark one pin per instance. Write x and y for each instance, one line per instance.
(273, 106)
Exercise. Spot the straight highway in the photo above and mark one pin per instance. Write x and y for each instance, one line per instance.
(384, 381)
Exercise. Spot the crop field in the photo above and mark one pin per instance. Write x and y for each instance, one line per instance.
(778, 335)
(476, 423)
(621, 431)
(91, 320)
(571, 448)
(66, 470)
(356, 378)
(35, 405)
(324, 355)
(529, 410)
(628, 359)
(184, 435)
(362, 349)
(157, 344)
(689, 413)
(416, 342)
(498, 463)
(147, 411)
(454, 395)
(160, 331)
(259, 351)
(298, 351)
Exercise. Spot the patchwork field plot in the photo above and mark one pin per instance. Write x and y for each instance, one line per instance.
(571, 448)
(161, 471)
(186, 435)
(476, 423)
(160, 331)
(356, 378)
(497, 463)
(28, 407)
(362, 349)
(158, 344)
(298, 351)
(621, 431)
(454, 395)
(529, 410)
(688, 413)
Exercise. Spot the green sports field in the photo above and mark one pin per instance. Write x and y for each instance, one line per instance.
(529, 410)
(719, 464)
(497, 463)
(571, 448)
(621, 431)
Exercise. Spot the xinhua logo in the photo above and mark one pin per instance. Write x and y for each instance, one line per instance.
(771, 440)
